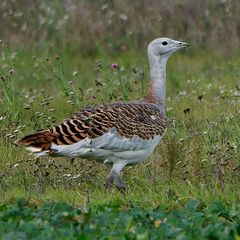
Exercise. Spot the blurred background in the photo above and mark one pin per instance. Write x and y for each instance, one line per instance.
(83, 26)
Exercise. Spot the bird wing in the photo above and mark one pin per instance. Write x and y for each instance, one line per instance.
(129, 119)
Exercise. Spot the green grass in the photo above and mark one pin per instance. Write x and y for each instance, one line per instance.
(198, 158)
(200, 150)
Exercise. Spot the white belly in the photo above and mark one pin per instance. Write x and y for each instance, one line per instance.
(110, 147)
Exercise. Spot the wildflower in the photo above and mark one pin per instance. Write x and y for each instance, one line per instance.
(114, 66)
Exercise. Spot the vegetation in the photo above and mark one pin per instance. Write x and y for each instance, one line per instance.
(61, 221)
(60, 62)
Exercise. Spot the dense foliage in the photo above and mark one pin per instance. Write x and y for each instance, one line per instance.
(61, 221)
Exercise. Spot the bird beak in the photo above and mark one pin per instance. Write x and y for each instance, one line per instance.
(183, 45)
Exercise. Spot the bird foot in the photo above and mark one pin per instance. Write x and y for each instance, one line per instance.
(120, 184)
(109, 182)
(115, 182)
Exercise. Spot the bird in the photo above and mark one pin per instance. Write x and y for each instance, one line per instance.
(118, 133)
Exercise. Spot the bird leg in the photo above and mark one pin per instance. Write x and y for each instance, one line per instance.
(114, 178)
(120, 184)
(109, 182)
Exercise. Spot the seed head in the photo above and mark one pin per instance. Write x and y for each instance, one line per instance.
(11, 72)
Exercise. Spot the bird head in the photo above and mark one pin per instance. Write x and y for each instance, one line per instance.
(165, 46)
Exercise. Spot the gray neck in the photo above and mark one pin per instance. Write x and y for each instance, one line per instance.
(158, 77)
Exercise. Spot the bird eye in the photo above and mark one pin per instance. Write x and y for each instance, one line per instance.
(164, 43)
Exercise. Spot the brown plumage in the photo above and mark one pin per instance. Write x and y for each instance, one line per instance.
(151, 97)
(129, 118)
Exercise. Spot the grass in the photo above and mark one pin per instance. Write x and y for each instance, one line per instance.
(197, 158)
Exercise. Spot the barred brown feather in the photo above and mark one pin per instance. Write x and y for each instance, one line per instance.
(41, 140)
(130, 119)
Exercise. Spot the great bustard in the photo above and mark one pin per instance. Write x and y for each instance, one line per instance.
(120, 133)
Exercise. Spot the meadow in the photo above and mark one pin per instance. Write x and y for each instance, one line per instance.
(189, 187)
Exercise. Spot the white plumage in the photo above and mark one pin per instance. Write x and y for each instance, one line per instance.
(110, 147)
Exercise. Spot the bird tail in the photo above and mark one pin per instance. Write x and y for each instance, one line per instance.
(38, 143)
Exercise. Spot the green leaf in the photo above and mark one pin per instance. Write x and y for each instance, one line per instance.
(3, 207)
